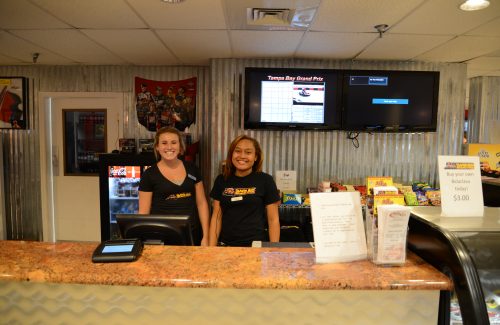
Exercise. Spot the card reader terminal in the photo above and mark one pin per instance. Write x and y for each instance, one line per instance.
(119, 250)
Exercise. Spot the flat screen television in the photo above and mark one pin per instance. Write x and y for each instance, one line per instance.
(292, 98)
(165, 229)
(390, 101)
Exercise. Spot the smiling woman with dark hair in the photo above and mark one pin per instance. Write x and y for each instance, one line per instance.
(245, 200)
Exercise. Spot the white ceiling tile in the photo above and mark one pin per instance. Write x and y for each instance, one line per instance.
(195, 47)
(494, 53)
(484, 63)
(401, 47)
(443, 17)
(5, 60)
(192, 14)
(264, 43)
(483, 73)
(22, 50)
(24, 15)
(473, 73)
(360, 15)
(135, 46)
(491, 28)
(152, 32)
(462, 48)
(71, 44)
(493, 73)
(333, 45)
(98, 14)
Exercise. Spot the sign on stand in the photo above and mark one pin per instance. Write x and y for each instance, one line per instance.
(286, 180)
(461, 189)
(339, 233)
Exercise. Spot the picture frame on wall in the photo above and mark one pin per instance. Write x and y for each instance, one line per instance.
(14, 103)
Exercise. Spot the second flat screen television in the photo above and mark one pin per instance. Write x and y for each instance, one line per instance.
(291, 98)
(390, 101)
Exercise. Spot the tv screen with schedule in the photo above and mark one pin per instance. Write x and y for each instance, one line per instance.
(292, 98)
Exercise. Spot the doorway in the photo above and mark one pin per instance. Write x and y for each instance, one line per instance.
(70, 203)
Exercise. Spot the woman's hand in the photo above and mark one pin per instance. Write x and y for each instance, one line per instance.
(215, 223)
(204, 241)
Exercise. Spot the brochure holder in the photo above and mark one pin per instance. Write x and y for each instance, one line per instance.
(386, 234)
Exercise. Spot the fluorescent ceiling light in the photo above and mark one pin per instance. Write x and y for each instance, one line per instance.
(470, 5)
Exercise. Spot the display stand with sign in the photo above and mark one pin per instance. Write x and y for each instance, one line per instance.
(339, 234)
(461, 190)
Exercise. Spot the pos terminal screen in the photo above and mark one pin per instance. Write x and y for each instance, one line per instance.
(117, 249)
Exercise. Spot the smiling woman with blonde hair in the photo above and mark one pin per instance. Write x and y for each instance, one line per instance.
(173, 185)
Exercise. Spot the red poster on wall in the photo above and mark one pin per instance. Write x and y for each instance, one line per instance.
(165, 103)
(13, 102)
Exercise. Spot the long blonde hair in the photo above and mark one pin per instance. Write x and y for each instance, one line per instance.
(171, 130)
(229, 168)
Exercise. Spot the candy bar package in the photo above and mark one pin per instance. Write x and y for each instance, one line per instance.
(434, 197)
(411, 198)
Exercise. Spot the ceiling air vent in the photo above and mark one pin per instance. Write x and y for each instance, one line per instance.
(270, 16)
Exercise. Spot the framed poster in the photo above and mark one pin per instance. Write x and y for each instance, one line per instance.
(165, 103)
(13, 103)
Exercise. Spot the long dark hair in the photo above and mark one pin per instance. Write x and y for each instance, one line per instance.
(229, 168)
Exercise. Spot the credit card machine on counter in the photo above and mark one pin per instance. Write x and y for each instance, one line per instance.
(119, 250)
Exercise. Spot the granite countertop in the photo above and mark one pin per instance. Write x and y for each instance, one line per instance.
(211, 267)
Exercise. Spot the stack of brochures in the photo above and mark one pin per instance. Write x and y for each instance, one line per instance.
(386, 234)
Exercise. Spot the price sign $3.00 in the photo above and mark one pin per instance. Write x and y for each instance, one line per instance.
(461, 197)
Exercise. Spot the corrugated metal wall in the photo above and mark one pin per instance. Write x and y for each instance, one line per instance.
(21, 169)
(318, 155)
(20, 148)
(484, 107)
(315, 155)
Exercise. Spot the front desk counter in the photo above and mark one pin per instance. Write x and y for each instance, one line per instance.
(46, 283)
(467, 249)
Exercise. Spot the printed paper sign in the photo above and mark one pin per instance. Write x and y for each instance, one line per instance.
(286, 180)
(339, 234)
(461, 190)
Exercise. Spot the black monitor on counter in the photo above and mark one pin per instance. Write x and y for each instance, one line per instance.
(164, 229)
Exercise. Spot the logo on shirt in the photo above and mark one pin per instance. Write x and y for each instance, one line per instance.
(178, 196)
(230, 191)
